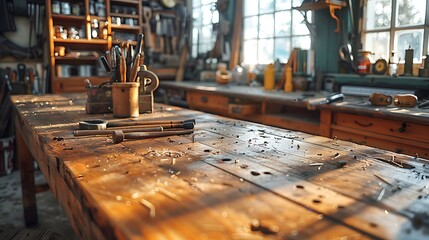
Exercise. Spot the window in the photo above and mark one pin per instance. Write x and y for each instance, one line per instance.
(205, 17)
(271, 29)
(395, 25)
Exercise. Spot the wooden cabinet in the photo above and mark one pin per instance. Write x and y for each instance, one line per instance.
(80, 31)
(261, 111)
(126, 20)
(214, 103)
(398, 136)
(291, 117)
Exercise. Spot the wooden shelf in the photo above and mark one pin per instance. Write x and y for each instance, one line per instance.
(78, 78)
(80, 58)
(320, 5)
(123, 15)
(80, 41)
(87, 44)
(98, 18)
(331, 4)
(125, 1)
(126, 27)
(68, 17)
(116, 42)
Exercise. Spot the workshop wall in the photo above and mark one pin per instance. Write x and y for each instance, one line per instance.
(21, 38)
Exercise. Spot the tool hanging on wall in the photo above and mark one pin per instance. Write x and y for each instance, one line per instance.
(147, 15)
(35, 11)
(6, 16)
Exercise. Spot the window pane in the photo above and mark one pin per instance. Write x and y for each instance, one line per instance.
(206, 35)
(205, 48)
(378, 14)
(215, 17)
(283, 23)
(265, 51)
(266, 6)
(297, 3)
(249, 52)
(195, 35)
(266, 26)
(378, 43)
(196, 3)
(250, 7)
(283, 4)
(197, 19)
(409, 38)
(282, 49)
(206, 14)
(250, 27)
(303, 42)
(411, 12)
(299, 27)
(207, 1)
(194, 51)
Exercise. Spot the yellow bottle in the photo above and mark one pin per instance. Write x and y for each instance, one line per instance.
(269, 77)
(288, 83)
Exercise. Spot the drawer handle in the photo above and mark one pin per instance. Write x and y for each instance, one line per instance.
(402, 128)
(204, 99)
(363, 124)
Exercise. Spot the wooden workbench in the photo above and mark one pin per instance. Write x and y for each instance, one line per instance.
(231, 179)
(402, 130)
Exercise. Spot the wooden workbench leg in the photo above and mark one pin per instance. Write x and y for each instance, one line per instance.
(26, 168)
(325, 123)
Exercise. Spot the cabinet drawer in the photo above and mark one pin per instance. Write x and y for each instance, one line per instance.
(244, 109)
(399, 129)
(398, 147)
(208, 102)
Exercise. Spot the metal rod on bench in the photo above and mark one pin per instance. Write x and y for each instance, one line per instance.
(119, 136)
(158, 122)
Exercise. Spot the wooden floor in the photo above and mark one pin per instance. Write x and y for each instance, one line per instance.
(229, 180)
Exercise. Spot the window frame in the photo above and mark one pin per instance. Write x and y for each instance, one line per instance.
(199, 44)
(289, 37)
(393, 29)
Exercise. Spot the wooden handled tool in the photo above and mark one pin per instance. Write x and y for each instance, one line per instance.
(147, 15)
(123, 68)
(312, 103)
(105, 63)
(380, 99)
(119, 136)
(77, 133)
(405, 100)
(188, 125)
(159, 122)
(135, 68)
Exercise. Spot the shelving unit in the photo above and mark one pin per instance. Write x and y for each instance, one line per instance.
(130, 14)
(68, 72)
(324, 4)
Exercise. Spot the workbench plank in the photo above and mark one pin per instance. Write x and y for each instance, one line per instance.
(230, 179)
(194, 186)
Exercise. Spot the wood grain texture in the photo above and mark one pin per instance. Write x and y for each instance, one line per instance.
(231, 179)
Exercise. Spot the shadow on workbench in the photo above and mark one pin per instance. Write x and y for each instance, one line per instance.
(51, 216)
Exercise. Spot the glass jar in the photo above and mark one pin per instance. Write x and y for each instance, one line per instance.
(56, 7)
(363, 62)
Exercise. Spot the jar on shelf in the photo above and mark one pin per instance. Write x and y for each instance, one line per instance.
(65, 8)
(56, 7)
(363, 62)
